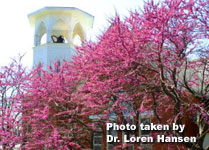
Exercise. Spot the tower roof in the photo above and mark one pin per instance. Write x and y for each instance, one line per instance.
(66, 11)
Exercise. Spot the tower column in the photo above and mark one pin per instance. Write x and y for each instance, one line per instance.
(70, 39)
(48, 37)
(36, 40)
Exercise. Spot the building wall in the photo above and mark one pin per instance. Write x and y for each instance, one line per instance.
(190, 130)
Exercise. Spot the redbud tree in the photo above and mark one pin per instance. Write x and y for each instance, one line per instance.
(155, 60)
(13, 80)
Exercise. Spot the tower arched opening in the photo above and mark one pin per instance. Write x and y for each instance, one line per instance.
(61, 29)
(78, 35)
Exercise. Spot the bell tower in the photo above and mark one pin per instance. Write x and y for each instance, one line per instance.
(57, 31)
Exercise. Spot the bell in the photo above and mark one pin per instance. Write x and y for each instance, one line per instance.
(59, 39)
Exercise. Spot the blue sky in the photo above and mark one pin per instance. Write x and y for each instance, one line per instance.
(17, 34)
